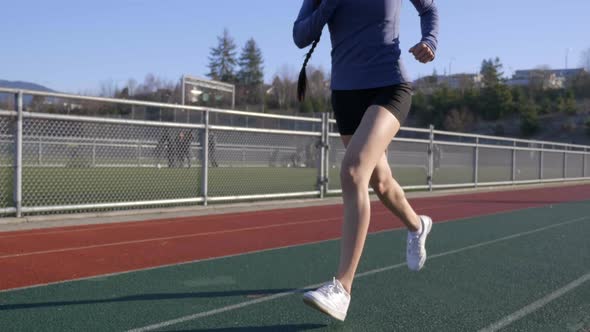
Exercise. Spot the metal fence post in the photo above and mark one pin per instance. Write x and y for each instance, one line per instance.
(541, 163)
(513, 162)
(430, 170)
(40, 153)
(584, 163)
(322, 149)
(138, 152)
(476, 162)
(565, 163)
(183, 93)
(205, 159)
(18, 158)
(327, 155)
(94, 152)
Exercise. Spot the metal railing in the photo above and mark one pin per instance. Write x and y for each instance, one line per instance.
(61, 162)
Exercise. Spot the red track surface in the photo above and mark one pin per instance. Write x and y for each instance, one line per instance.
(50, 255)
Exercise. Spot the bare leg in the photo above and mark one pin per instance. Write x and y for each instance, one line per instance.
(390, 192)
(392, 195)
(365, 151)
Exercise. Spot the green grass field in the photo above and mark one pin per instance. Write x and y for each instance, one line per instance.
(46, 186)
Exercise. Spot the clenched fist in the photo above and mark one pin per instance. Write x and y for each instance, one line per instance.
(422, 52)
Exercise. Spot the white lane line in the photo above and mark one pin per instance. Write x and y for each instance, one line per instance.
(529, 309)
(360, 275)
(160, 222)
(233, 255)
(165, 238)
(190, 235)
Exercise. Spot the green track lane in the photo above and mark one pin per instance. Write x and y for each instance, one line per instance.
(462, 290)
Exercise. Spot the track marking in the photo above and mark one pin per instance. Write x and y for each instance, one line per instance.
(239, 254)
(175, 237)
(529, 309)
(149, 223)
(393, 229)
(185, 236)
(360, 275)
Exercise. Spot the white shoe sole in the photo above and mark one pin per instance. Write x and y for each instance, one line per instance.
(312, 302)
(425, 237)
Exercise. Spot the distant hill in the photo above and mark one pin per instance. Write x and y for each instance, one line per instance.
(24, 86)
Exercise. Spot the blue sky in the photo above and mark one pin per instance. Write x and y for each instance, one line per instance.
(73, 46)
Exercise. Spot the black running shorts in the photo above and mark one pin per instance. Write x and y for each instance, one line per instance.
(350, 105)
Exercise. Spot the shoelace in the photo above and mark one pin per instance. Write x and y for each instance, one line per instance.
(331, 288)
(414, 245)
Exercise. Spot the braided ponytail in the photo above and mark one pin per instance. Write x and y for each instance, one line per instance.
(302, 82)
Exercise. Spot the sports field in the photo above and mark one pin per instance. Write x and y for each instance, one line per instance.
(503, 260)
(44, 186)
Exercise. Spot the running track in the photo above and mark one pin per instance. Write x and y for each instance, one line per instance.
(37, 257)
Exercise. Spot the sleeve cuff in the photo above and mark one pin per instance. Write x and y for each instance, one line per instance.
(431, 43)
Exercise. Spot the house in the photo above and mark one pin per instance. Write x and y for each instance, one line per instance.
(547, 78)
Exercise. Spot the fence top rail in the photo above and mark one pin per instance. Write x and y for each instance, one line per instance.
(8, 113)
(412, 129)
(415, 130)
(265, 131)
(264, 115)
(260, 115)
(508, 139)
(157, 104)
(46, 116)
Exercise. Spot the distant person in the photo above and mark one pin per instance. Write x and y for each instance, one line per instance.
(211, 147)
(371, 97)
(166, 146)
(161, 147)
(182, 148)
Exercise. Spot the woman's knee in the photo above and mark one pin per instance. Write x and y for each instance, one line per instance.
(352, 173)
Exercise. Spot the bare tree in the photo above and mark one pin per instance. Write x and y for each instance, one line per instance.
(319, 84)
(284, 87)
(150, 84)
(108, 88)
(459, 120)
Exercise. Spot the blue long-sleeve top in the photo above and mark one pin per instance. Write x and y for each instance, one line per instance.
(365, 38)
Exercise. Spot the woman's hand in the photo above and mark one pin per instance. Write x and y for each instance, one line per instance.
(422, 52)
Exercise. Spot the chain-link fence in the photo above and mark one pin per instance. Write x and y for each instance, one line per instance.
(72, 162)
(494, 165)
(71, 153)
(255, 163)
(7, 123)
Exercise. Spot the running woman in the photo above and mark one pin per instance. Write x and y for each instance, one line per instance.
(371, 98)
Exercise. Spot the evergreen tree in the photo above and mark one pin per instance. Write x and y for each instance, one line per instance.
(529, 117)
(570, 103)
(222, 59)
(251, 74)
(491, 70)
(496, 98)
(251, 65)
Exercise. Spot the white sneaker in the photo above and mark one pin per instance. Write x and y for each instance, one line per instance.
(416, 250)
(331, 299)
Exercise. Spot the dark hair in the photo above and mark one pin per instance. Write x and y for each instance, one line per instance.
(302, 82)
